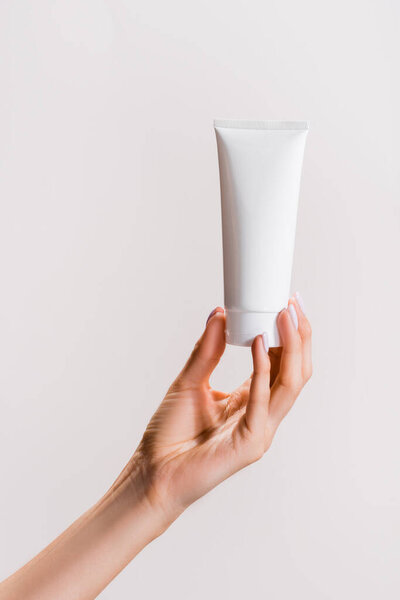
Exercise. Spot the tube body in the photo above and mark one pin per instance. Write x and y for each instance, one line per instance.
(260, 167)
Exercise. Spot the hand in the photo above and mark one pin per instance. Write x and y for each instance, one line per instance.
(200, 436)
(197, 438)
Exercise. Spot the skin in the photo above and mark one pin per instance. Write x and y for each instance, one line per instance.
(197, 438)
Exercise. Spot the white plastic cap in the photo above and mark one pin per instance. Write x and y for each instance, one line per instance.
(243, 327)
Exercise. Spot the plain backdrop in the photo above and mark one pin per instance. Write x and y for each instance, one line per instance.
(111, 260)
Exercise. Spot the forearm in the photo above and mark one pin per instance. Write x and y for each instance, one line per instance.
(93, 550)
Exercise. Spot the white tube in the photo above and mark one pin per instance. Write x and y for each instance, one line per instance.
(260, 166)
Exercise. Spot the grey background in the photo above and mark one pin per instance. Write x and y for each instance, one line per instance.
(111, 260)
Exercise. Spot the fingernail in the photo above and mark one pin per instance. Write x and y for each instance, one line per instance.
(293, 314)
(212, 313)
(216, 310)
(265, 341)
(300, 301)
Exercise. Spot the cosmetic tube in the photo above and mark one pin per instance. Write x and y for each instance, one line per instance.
(260, 165)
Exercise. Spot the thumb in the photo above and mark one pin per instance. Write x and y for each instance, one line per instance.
(207, 351)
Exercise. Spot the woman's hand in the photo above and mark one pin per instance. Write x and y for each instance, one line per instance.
(200, 436)
(197, 438)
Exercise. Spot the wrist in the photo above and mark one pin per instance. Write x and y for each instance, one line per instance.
(138, 490)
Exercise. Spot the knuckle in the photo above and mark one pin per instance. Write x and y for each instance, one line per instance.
(293, 383)
(177, 384)
(254, 445)
(258, 451)
(297, 345)
(196, 347)
(269, 434)
(307, 330)
(262, 370)
(297, 388)
(308, 373)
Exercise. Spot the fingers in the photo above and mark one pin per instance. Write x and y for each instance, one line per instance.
(305, 334)
(207, 351)
(257, 405)
(289, 379)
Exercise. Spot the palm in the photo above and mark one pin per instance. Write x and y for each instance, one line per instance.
(191, 416)
(196, 435)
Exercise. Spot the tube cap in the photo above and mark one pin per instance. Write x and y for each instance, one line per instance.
(242, 327)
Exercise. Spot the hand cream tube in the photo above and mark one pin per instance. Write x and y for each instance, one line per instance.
(260, 168)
